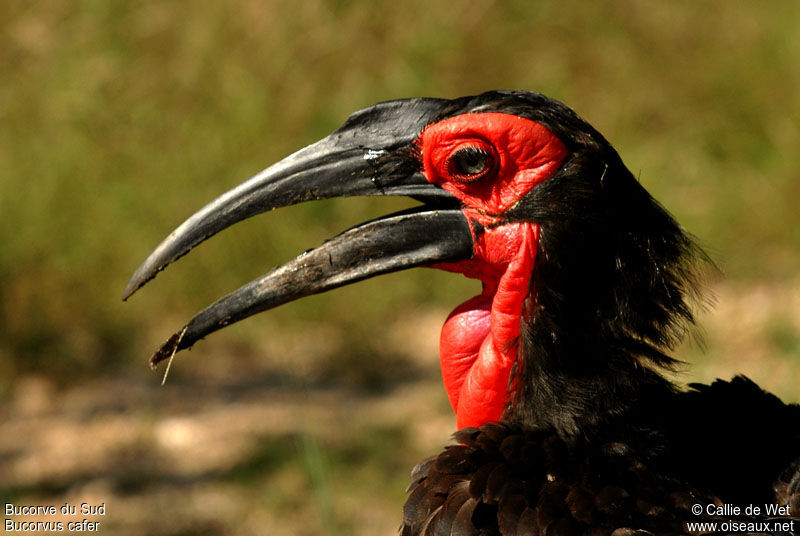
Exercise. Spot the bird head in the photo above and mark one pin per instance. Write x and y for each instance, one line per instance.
(583, 274)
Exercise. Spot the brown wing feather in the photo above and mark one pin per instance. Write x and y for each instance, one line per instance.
(787, 488)
(509, 481)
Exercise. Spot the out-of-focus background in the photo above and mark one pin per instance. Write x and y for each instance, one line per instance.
(118, 119)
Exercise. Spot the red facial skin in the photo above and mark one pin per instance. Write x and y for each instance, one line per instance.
(479, 340)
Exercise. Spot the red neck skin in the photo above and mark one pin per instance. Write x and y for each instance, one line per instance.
(480, 339)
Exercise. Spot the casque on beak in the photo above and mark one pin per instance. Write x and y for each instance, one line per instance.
(371, 154)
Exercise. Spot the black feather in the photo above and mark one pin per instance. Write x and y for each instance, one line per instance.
(595, 440)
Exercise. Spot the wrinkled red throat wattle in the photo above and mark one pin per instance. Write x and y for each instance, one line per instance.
(480, 339)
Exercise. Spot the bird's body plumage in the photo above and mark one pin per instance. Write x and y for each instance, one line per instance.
(712, 445)
(555, 369)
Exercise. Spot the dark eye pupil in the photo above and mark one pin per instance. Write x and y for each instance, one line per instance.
(470, 161)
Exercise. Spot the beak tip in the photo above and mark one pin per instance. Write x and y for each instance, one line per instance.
(168, 349)
(128, 292)
(143, 275)
(133, 285)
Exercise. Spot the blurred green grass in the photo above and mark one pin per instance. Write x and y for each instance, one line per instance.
(119, 119)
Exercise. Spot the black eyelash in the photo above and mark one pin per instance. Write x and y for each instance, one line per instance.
(470, 164)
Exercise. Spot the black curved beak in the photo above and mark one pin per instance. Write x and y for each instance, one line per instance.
(371, 154)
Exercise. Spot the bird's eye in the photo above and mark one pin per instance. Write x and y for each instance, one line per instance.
(469, 164)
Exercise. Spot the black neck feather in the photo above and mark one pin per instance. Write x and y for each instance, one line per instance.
(611, 294)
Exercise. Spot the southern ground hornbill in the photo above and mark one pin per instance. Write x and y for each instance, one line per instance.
(566, 424)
